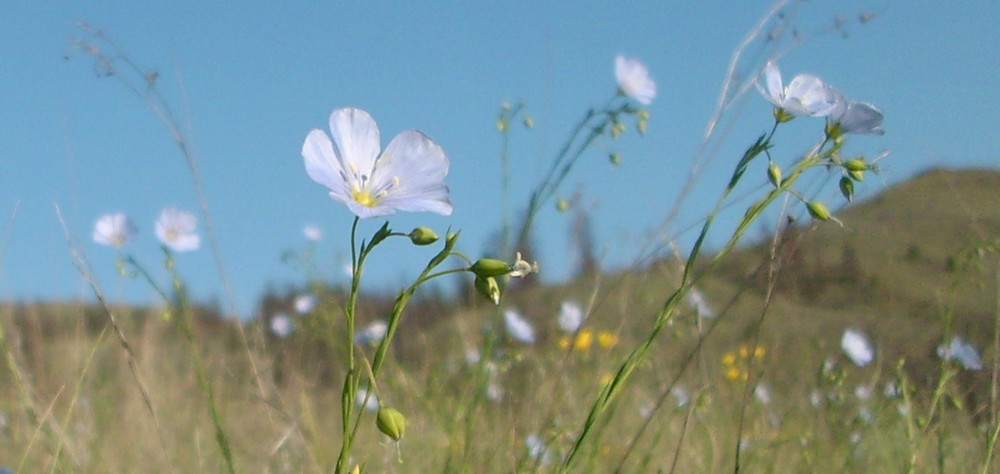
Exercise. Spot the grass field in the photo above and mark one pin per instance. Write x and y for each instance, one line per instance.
(771, 384)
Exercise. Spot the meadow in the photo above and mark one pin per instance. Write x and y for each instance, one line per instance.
(866, 339)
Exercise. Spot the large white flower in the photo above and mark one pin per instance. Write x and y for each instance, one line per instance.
(634, 81)
(176, 229)
(114, 230)
(856, 346)
(282, 325)
(805, 95)
(407, 176)
(851, 116)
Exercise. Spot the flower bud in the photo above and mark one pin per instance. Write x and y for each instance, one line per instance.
(847, 188)
(617, 130)
(529, 122)
(774, 174)
(818, 210)
(856, 164)
(856, 175)
(423, 236)
(502, 125)
(489, 288)
(615, 159)
(490, 267)
(562, 205)
(391, 423)
(642, 121)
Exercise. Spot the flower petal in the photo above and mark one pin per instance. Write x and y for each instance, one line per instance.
(419, 165)
(323, 165)
(356, 138)
(772, 79)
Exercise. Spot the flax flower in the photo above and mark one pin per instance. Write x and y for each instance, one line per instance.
(518, 327)
(114, 230)
(961, 351)
(805, 95)
(851, 116)
(634, 81)
(570, 316)
(856, 346)
(176, 229)
(407, 176)
(282, 325)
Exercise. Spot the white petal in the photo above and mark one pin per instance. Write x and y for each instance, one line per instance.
(322, 163)
(775, 88)
(356, 138)
(420, 165)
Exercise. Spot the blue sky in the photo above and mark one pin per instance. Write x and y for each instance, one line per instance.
(250, 80)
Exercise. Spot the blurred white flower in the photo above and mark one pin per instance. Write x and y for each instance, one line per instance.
(805, 95)
(634, 81)
(312, 232)
(570, 316)
(371, 334)
(697, 300)
(863, 392)
(962, 352)
(518, 327)
(762, 393)
(304, 303)
(176, 230)
(282, 325)
(850, 116)
(114, 230)
(537, 450)
(407, 176)
(856, 346)
(681, 395)
(369, 402)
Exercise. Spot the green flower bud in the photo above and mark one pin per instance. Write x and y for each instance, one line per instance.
(502, 125)
(529, 122)
(423, 236)
(391, 423)
(856, 164)
(490, 267)
(818, 210)
(774, 174)
(562, 205)
(856, 175)
(617, 130)
(489, 288)
(615, 159)
(642, 121)
(847, 188)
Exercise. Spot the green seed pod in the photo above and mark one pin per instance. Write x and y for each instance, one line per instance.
(489, 288)
(856, 164)
(847, 188)
(856, 175)
(774, 174)
(490, 267)
(391, 423)
(818, 210)
(423, 236)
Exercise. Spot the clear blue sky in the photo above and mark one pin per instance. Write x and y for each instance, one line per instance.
(251, 80)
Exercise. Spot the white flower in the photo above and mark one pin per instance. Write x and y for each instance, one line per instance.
(763, 394)
(114, 230)
(634, 81)
(304, 303)
(522, 267)
(537, 450)
(856, 346)
(175, 229)
(570, 316)
(851, 116)
(407, 176)
(371, 334)
(681, 395)
(518, 327)
(312, 232)
(863, 392)
(697, 300)
(369, 402)
(963, 352)
(805, 95)
(282, 325)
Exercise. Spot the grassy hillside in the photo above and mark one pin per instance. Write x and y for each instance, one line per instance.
(71, 398)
